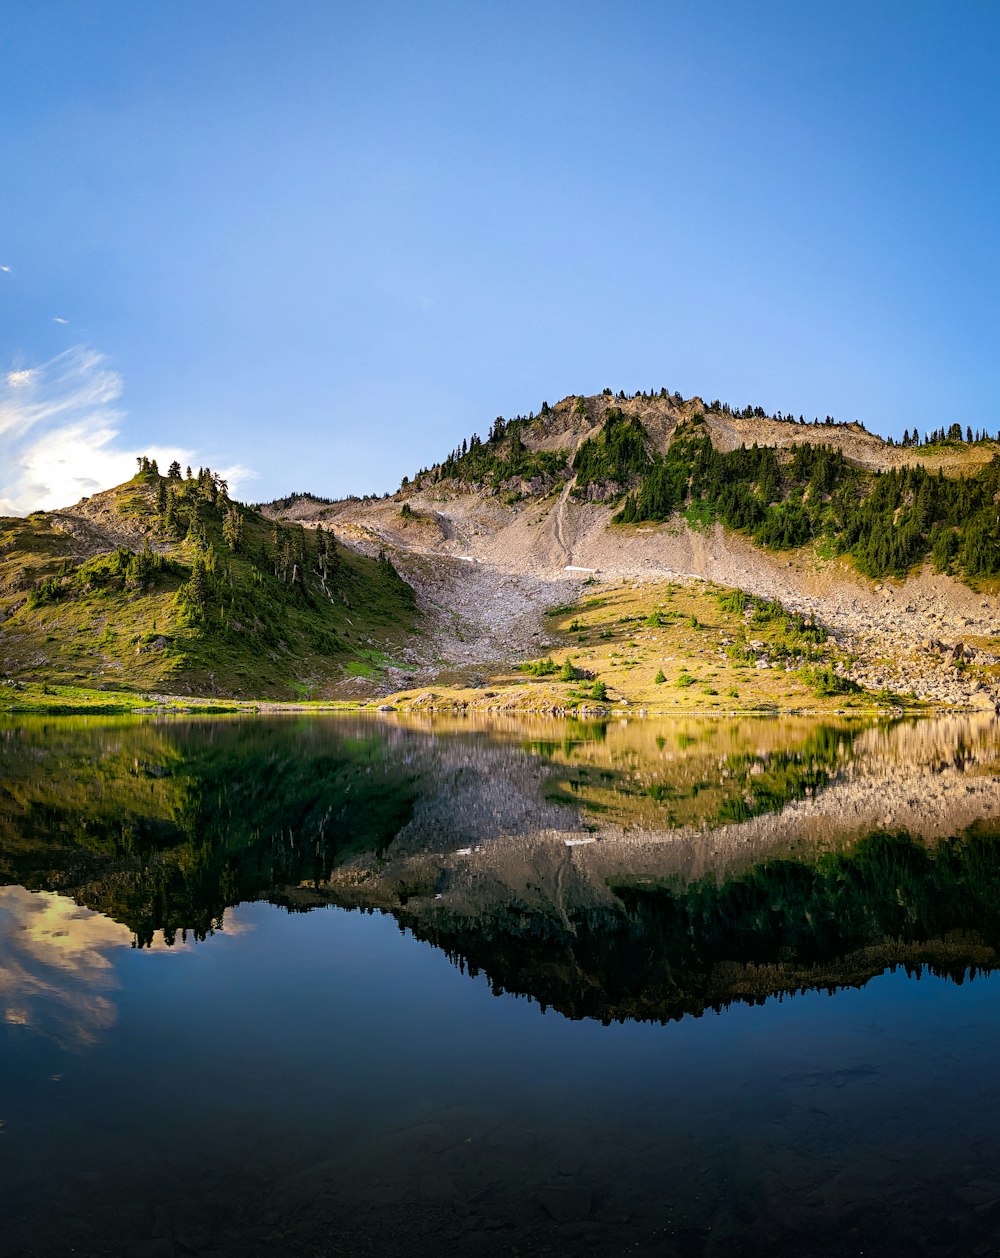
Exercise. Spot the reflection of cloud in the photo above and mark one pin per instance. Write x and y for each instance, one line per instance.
(233, 925)
(55, 968)
(59, 429)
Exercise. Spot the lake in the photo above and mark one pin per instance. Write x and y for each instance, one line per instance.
(367, 986)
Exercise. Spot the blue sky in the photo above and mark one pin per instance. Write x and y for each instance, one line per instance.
(317, 244)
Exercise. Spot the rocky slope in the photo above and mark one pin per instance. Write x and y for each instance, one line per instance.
(485, 559)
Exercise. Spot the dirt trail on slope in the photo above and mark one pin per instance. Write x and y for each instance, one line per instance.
(559, 515)
(557, 523)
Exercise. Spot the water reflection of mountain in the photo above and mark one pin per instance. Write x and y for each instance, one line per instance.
(641, 870)
(660, 952)
(162, 827)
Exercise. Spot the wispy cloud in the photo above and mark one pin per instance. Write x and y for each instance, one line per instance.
(60, 434)
(56, 319)
(5, 268)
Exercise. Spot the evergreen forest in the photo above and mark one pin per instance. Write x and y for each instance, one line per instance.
(885, 521)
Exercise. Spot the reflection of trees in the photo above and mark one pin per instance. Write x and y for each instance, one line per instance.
(701, 782)
(160, 826)
(763, 784)
(172, 831)
(785, 926)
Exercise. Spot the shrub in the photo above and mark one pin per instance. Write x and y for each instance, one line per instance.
(541, 668)
(46, 591)
(659, 678)
(767, 610)
(735, 601)
(826, 682)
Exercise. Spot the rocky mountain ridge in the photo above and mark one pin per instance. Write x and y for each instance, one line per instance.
(476, 550)
(642, 505)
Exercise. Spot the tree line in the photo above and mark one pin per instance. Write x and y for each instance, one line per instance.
(502, 456)
(885, 521)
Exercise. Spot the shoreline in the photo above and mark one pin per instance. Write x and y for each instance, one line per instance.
(39, 700)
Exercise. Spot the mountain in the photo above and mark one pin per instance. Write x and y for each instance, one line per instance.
(164, 584)
(893, 548)
(647, 551)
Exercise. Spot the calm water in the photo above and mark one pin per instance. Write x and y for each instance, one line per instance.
(350, 987)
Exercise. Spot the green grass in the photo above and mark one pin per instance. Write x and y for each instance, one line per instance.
(56, 700)
(192, 612)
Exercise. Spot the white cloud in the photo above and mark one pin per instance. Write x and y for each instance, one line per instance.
(5, 268)
(56, 319)
(59, 435)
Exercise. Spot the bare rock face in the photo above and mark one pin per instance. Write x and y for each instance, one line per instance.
(604, 491)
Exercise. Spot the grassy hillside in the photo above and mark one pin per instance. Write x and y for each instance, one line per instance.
(672, 648)
(166, 584)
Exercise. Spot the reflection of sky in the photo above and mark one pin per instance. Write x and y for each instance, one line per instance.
(56, 974)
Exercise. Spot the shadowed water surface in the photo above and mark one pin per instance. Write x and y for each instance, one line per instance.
(341, 986)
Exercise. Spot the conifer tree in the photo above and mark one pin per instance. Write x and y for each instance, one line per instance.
(232, 530)
(197, 589)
